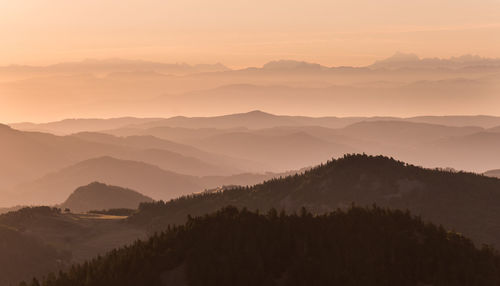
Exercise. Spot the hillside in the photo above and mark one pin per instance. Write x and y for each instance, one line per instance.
(357, 247)
(98, 196)
(465, 202)
(38, 240)
(25, 256)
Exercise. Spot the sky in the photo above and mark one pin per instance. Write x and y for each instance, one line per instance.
(245, 33)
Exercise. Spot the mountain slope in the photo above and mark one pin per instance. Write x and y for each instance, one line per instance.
(357, 247)
(39, 240)
(494, 129)
(30, 155)
(169, 155)
(477, 151)
(98, 196)
(148, 179)
(465, 202)
(403, 133)
(24, 256)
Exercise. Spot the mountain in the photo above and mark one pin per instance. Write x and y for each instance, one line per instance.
(254, 120)
(69, 126)
(465, 202)
(403, 60)
(356, 247)
(494, 129)
(493, 173)
(98, 196)
(292, 65)
(403, 133)
(94, 90)
(477, 151)
(170, 155)
(150, 180)
(30, 155)
(27, 155)
(105, 66)
(459, 121)
(425, 96)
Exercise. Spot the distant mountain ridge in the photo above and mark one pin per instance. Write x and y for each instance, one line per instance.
(403, 60)
(113, 65)
(254, 119)
(397, 60)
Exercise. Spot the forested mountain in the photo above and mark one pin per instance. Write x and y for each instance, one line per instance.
(465, 202)
(354, 247)
(99, 196)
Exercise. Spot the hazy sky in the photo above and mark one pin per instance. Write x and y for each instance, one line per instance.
(245, 33)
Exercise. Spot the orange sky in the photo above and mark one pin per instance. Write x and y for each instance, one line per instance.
(245, 33)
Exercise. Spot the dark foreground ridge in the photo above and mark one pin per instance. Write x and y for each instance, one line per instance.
(464, 202)
(360, 246)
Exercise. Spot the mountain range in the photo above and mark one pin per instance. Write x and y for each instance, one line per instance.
(461, 202)
(86, 89)
(169, 157)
